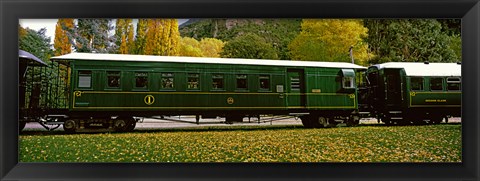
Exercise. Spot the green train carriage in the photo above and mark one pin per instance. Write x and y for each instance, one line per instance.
(108, 90)
(409, 92)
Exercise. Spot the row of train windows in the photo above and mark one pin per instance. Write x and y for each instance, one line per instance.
(453, 83)
(167, 81)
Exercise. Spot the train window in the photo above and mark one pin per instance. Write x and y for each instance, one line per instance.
(113, 79)
(192, 81)
(347, 82)
(348, 78)
(84, 79)
(242, 81)
(436, 83)
(416, 83)
(167, 80)
(141, 80)
(453, 83)
(264, 82)
(217, 81)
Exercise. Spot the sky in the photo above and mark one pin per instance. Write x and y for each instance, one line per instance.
(49, 24)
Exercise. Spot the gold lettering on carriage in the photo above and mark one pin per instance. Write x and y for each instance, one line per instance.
(149, 99)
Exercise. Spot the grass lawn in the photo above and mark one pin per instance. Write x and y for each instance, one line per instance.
(436, 143)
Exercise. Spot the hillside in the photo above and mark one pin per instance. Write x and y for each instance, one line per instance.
(278, 32)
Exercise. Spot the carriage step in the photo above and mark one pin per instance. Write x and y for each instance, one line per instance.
(298, 114)
(53, 123)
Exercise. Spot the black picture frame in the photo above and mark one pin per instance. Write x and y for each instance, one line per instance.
(12, 11)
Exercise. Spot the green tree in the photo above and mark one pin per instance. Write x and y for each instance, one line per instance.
(92, 35)
(35, 42)
(38, 44)
(61, 43)
(455, 44)
(330, 40)
(249, 46)
(410, 40)
(277, 32)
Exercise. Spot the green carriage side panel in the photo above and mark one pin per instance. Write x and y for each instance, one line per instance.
(435, 99)
(429, 98)
(324, 89)
(99, 97)
(320, 89)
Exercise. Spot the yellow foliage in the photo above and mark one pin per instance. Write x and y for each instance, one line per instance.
(190, 47)
(330, 40)
(162, 37)
(435, 143)
(61, 43)
(207, 47)
(211, 47)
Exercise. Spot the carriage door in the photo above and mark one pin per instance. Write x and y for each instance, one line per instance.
(296, 88)
(393, 86)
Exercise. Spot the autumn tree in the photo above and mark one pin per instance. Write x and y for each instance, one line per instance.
(140, 37)
(120, 36)
(130, 37)
(162, 37)
(124, 36)
(190, 47)
(207, 47)
(411, 40)
(330, 40)
(249, 46)
(211, 47)
(62, 43)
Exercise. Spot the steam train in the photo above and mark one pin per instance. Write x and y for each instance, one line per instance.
(90, 91)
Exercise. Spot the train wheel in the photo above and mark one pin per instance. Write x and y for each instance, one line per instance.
(388, 121)
(21, 125)
(131, 123)
(353, 121)
(436, 119)
(69, 126)
(120, 125)
(307, 121)
(233, 118)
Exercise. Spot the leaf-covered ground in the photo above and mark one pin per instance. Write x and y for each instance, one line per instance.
(438, 143)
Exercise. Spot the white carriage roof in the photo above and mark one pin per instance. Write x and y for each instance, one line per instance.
(175, 59)
(423, 69)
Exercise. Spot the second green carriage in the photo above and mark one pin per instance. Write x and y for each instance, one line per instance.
(404, 93)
